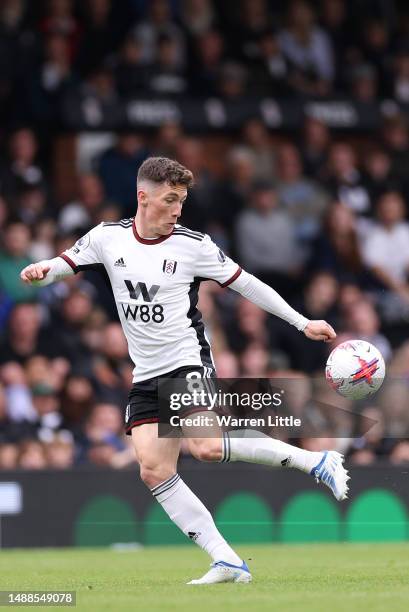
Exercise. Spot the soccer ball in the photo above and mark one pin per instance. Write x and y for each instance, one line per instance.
(355, 369)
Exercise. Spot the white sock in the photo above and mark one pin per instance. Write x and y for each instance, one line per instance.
(193, 518)
(255, 447)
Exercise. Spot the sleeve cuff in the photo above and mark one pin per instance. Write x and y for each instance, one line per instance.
(69, 261)
(233, 278)
(302, 323)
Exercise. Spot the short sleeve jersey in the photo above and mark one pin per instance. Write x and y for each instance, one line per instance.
(155, 285)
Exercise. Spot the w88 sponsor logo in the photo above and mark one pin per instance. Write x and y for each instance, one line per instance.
(144, 312)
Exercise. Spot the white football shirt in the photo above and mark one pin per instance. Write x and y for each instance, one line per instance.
(155, 285)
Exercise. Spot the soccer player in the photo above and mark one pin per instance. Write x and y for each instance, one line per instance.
(155, 267)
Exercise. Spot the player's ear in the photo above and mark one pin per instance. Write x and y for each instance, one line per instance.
(142, 198)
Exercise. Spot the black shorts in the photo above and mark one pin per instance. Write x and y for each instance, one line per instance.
(143, 402)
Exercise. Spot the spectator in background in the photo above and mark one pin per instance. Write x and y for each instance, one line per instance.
(98, 98)
(38, 371)
(13, 255)
(378, 173)
(159, 22)
(99, 35)
(80, 215)
(271, 71)
(338, 248)
(345, 182)
(233, 193)
(76, 400)
(19, 402)
(400, 453)
(376, 49)
(9, 456)
(315, 147)
(396, 139)
(117, 168)
(75, 311)
(337, 24)
(254, 361)
(197, 16)
(22, 168)
(198, 210)
(247, 326)
(303, 200)
(393, 401)
(372, 433)
(166, 74)
(3, 413)
(309, 50)
(111, 369)
(103, 426)
(12, 15)
(400, 84)
(31, 204)
(204, 69)
(60, 19)
(364, 84)
(22, 337)
(255, 135)
(362, 321)
(10, 429)
(167, 138)
(92, 334)
(253, 19)
(363, 456)
(386, 249)
(60, 452)
(130, 72)
(46, 87)
(15, 40)
(46, 404)
(266, 239)
(319, 300)
(32, 456)
(44, 233)
(233, 81)
(227, 364)
(4, 213)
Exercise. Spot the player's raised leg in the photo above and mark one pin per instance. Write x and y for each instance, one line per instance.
(255, 447)
(157, 458)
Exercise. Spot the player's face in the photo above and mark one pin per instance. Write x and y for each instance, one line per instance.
(161, 206)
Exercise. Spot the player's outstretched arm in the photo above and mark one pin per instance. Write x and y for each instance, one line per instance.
(46, 272)
(267, 298)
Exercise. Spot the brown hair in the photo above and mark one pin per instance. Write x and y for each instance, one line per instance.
(165, 170)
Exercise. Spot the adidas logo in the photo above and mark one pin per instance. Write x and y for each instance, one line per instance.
(120, 262)
(193, 535)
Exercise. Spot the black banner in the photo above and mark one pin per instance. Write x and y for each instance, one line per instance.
(86, 112)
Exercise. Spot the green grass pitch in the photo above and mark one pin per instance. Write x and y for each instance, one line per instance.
(308, 578)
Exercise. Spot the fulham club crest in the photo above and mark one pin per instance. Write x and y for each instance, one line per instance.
(169, 267)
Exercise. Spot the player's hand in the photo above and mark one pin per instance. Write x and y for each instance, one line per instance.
(320, 330)
(34, 272)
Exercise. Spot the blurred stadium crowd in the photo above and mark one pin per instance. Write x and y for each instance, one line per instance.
(320, 217)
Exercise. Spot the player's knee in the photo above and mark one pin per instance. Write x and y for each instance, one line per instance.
(152, 475)
(206, 449)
